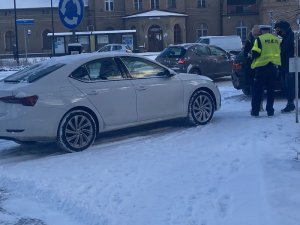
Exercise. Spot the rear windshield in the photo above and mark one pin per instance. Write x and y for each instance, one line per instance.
(33, 73)
(203, 40)
(173, 52)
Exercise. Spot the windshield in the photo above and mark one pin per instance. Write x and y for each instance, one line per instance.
(173, 52)
(33, 73)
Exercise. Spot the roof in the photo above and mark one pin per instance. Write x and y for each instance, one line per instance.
(93, 32)
(31, 4)
(155, 13)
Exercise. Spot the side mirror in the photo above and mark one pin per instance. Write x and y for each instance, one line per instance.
(166, 73)
(170, 73)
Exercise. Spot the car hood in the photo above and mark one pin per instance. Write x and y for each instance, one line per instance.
(188, 76)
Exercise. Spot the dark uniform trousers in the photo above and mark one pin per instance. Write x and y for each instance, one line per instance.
(265, 77)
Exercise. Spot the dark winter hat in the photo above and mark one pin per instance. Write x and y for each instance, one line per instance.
(282, 24)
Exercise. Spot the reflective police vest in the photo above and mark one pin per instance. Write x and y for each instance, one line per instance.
(268, 48)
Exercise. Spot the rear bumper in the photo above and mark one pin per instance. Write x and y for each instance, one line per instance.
(29, 124)
(239, 80)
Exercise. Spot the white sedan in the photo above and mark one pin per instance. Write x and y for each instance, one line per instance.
(71, 99)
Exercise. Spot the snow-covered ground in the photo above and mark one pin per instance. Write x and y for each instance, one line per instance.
(237, 170)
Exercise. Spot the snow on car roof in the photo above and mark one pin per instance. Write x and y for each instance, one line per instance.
(69, 59)
(155, 13)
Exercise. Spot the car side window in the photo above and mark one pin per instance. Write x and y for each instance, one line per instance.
(105, 69)
(81, 73)
(101, 69)
(201, 51)
(141, 68)
(117, 47)
(105, 49)
(217, 51)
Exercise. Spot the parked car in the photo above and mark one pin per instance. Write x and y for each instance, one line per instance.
(196, 58)
(231, 43)
(115, 47)
(240, 75)
(71, 99)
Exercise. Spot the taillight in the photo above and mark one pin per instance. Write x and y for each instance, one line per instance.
(236, 66)
(181, 61)
(26, 101)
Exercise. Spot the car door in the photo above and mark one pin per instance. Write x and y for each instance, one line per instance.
(158, 94)
(113, 95)
(199, 57)
(222, 62)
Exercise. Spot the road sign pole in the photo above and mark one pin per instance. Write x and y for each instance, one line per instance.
(16, 35)
(53, 38)
(296, 72)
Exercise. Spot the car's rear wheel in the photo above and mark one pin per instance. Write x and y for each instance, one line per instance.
(26, 142)
(247, 91)
(77, 131)
(195, 71)
(201, 108)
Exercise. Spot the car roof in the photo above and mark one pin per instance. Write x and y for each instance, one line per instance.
(187, 45)
(80, 58)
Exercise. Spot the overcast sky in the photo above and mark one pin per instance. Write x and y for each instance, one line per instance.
(4, 4)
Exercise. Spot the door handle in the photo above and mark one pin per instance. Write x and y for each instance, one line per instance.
(141, 88)
(93, 92)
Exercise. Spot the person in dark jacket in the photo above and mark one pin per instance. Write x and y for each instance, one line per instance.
(284, 30)
(250, 73)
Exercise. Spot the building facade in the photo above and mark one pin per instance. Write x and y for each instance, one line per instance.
(145, 24)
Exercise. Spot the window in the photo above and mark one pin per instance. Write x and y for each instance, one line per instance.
(241, 30)
(217, 51)
(141, 68)
(138, 4)
(173, 52)
(47, 40)
(177, 34)
(34, 72)
(202, 31)
(201, 3)
(154, 4)
(201, 51)
(172, 4)
(9, 40)
(102, 69)
(109, 5)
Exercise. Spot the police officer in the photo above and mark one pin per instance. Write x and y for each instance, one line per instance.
(266, 58)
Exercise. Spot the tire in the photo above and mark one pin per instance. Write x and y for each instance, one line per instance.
(195, 71)
(247, 91)
(201, 108)
(26, 143)
(76, 132)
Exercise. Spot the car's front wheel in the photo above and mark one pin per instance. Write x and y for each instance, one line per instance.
(77, 131)
(201, 108)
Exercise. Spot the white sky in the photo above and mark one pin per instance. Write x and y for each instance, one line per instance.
(25, 4)
(237, 170)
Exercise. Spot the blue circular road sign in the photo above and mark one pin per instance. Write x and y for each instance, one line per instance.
(71, 12)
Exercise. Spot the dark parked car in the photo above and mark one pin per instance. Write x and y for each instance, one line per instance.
(196, 58)
(240, 75)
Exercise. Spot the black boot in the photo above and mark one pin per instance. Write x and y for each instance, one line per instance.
(288, 108)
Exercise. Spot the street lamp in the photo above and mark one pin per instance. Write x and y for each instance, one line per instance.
(53, 39)
(16, 31)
